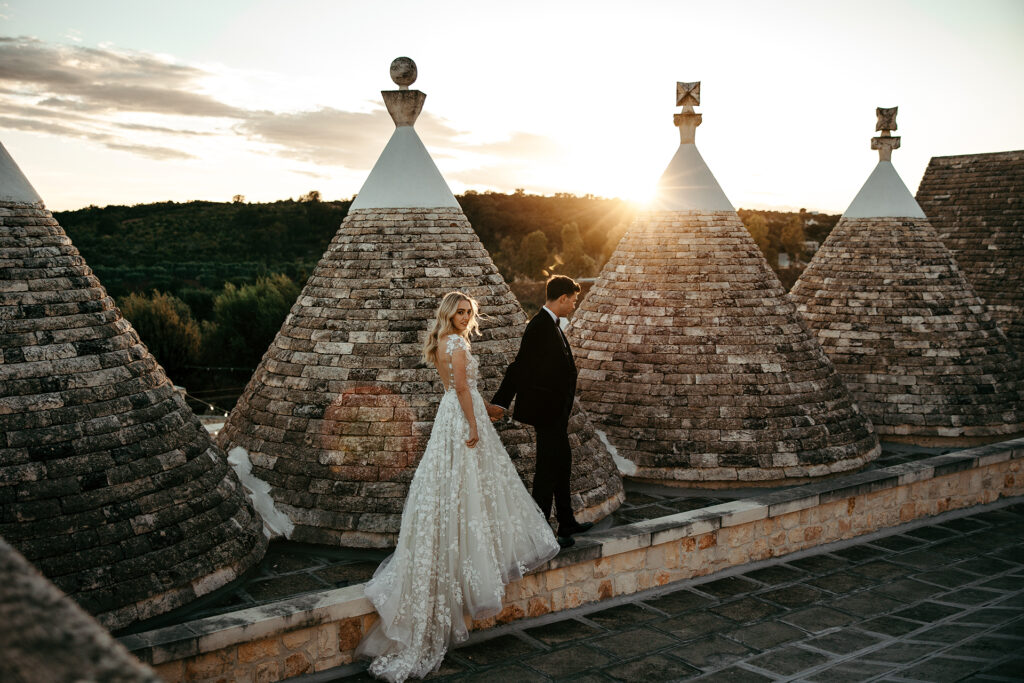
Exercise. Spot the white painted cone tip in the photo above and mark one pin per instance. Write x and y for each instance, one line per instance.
(14, 186)
(404, 176)
(884, 195)
(688, 185)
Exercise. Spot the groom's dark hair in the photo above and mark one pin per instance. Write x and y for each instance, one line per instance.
(559, 285)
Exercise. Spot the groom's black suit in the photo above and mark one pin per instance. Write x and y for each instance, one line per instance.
(542, 378)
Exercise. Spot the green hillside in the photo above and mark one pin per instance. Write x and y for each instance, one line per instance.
(208, 284)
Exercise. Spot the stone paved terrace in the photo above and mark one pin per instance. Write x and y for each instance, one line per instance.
(291, 569)
(940, 599)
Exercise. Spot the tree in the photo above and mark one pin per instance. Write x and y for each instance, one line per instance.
(311, 196)
(238, 199)
(792, 237)
(533, 255)
(165, 325)
(575, 260)
(611, 242)
(245, 320)
(757, 226)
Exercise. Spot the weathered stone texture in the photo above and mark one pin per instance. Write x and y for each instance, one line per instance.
(108, 483)
(976, 204)
(47, 637)
(915, 345)
(339, 411)
(700, 369)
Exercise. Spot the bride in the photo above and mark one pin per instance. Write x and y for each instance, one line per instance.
(469, 525)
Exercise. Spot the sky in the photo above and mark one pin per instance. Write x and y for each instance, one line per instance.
(135, 101)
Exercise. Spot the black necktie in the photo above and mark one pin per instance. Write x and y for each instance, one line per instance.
(561, 335)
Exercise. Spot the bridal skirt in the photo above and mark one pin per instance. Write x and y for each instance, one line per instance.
(468, 528)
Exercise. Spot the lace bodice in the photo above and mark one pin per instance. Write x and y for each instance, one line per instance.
(455, 343)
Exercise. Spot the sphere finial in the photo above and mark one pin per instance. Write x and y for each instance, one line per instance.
(403, 72)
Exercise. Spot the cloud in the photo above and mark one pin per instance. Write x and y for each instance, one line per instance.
(521, 146)
(93, 93)
(323, 136)
(335, 137)
(161, 129)
(159, 153)
(109, 141)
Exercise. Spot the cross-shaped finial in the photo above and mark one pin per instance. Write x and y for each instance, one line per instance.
(687, 97)
(886, 142)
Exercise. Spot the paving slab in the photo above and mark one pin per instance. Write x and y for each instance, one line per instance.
(866, 604)
(844, 641)
(621, 615)
(941, 669)
(775, 575)
(794, 596)
(746, 610)
(766, 635)
(496, 650)
(680, 601)
(711, 653)
(949, 577)
(559, 632)
(651, 668)
(571, 660)
(818, 619)
(735, 674)
(729, 586)
(789, 660)
(695, 624)
(843, 582)
(854, 670)
(634, 642)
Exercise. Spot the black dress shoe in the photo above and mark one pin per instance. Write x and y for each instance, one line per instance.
(575, 528)
(566, 542)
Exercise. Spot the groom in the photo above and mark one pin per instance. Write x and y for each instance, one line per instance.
(543, 380)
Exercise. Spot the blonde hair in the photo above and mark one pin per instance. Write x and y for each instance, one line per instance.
(442, 325)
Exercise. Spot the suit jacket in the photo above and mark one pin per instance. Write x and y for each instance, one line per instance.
(542, 378)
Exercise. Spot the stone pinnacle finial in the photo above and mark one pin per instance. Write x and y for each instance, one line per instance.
(403, 72)
(403, 104)
(886, 142)
(687, 97)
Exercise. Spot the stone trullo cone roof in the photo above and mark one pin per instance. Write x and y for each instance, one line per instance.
(112, 486)
(914, 343)
(691, 357)
(339, 410)
(48, 637)
(975, 202)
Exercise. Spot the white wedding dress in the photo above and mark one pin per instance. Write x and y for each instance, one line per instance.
(468, 528)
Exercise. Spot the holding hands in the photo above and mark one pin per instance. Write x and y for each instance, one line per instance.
(495, 412)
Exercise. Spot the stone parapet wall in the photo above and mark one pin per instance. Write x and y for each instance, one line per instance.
(318, 631)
